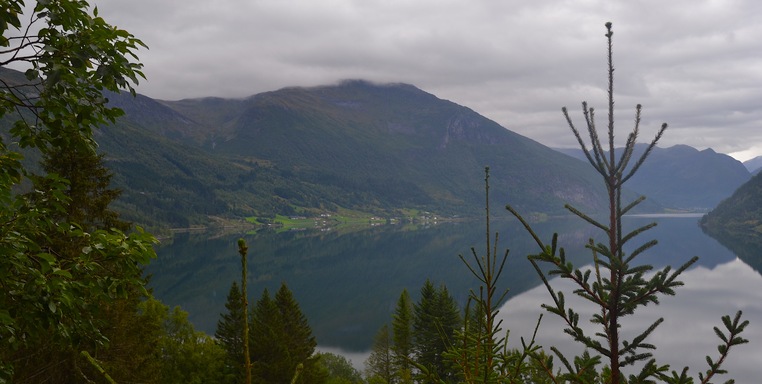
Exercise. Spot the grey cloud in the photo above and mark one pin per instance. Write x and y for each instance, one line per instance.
(694, 64)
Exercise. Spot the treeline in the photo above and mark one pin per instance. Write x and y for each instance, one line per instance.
(412, 348)
(282, 347)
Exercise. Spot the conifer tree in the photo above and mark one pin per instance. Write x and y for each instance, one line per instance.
(264, 341)
(436, 318)
(229, 335)
(281, 340)
(298, 336)
(88, 186)
(402, 329)
(616, 284)
(480, 352)
(379, 367)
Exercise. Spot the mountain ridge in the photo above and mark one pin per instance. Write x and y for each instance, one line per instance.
(367, 146)
(683, 177)
(380, 149)
(754, 165)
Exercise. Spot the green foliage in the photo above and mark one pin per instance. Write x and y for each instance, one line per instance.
(65, 269)
(87, 187)
(268, 354)
(47, 297)
(379, 366)
(87, 199)
(133, 338)
(436, 319)
(340, 370)
(184, 354)
(76, 56)
(615, 284)
(402, 330)
(479, 351)
(413, 349)
(229, 335)
(281, 340)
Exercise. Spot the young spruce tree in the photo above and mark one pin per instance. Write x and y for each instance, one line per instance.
(616, 284)
(379, 367)
(229, 335)
(402, 329)
(479, 350)
(281, 341)
(436, 319)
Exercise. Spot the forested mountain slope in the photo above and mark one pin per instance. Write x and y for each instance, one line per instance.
(740, 214)
(737, 222)
(376, 148)
(354, 145)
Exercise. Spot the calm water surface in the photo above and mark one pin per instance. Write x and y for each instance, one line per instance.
(347, 284)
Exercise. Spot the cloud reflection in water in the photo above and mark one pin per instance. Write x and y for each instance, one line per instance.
(685, 337)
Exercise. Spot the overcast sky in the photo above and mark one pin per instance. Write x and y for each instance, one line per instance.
(695, 64)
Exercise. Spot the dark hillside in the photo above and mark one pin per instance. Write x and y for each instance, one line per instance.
(400, 143)
(737, 222)
(740, 215)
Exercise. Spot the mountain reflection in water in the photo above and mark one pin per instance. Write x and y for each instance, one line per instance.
(348, 284)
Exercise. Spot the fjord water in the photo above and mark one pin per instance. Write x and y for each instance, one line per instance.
(347, 284)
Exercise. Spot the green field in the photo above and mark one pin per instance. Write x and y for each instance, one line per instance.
(344, 219)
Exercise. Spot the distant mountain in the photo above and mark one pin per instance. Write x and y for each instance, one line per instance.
(754, 165)
(356, 145)
(683, 177)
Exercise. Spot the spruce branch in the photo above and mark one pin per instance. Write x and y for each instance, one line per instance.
(632, 205)
(630, 348)
(734, 328)
(595, 141)
(640, 250)
(526, 225)
(645, 154)
(636, 232)
(649, 370)
(585, 217)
